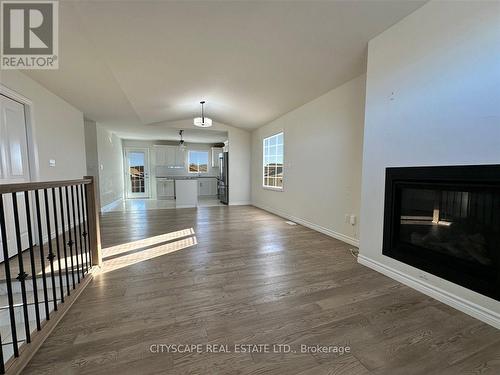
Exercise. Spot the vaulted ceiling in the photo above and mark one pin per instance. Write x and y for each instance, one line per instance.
(130, 64)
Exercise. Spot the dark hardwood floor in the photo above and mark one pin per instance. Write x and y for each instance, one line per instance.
(239, 275)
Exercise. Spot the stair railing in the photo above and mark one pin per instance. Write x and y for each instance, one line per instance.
(50, 240)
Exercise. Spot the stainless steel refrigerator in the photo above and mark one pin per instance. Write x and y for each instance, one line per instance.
(223, 182)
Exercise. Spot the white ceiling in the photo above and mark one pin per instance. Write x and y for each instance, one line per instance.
(127, 64)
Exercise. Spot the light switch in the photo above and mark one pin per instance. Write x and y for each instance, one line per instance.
(52, 162)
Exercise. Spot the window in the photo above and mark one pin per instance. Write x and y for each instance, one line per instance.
(198, 161)
(273, 162)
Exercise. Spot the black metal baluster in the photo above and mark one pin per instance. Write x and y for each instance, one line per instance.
(51, 255)
(70, 242)
(80, 228)
(74, 231)
(58, 248)
(2, 366)
(64, 238)
(22, 275)
(42, 255)
(88, 226)
(3, 230)
(32, 259)
(84, 234)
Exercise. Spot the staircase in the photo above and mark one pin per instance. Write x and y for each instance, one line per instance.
(39, 283)
(39, 302)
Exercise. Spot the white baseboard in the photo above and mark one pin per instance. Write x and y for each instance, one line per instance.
(186, 206)
(472, 309)
(240, 203)
(318, 228)
(111, 205)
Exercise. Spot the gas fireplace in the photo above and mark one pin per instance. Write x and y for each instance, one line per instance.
(446, 221)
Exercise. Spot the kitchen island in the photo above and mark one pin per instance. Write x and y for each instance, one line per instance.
(186, 193)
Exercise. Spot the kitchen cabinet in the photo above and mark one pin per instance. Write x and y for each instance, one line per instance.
(179, 157)
(160, 156)
(169, 156)
(165, 189)
(215, 156)
(207, 186)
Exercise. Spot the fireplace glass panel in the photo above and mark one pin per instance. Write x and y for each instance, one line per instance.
(461, 224)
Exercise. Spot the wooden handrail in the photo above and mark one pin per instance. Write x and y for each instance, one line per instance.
(28, 186)
(93, 219)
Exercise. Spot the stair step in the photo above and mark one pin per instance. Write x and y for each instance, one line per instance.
(16, 284)
(6, 333)
(30, 297)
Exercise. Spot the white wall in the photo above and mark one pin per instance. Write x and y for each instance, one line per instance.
(442, 64)
(91, 154)
(322, 173)
(239, 166)
(110, 156)
(58, 133)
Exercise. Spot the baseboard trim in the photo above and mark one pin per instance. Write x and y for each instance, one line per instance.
(490, 317)
(26, 352)
(109, 206)
(240, 203)
(318, 228)
(186, 206)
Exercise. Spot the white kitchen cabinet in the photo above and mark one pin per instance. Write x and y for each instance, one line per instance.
(165, 189)
(169, 156)
(213, 186)
(203, 187)
(215, 156)
(160, 156)
(180, 157)
(207, 186)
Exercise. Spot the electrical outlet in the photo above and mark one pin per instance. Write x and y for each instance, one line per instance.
(52, 163)
(352, 219)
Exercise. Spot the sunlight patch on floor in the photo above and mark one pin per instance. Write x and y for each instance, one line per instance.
(150, 241)
(120, 256)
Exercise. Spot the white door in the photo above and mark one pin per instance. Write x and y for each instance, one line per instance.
(14, 167)
(137, 172)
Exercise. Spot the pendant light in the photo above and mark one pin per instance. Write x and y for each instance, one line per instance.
(202, 122)
(182, 146)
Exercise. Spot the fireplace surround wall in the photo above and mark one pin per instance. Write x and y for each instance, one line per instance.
(445, 220)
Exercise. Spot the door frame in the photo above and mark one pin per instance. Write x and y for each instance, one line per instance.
(33, 161)
(32, 146)
(147, 165)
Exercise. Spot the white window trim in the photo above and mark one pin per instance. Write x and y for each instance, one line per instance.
(266, 187)
(188, 161)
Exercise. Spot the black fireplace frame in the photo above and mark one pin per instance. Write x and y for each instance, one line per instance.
(481, 279)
